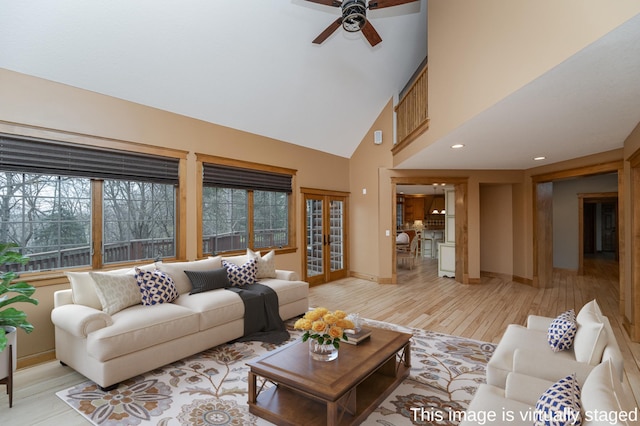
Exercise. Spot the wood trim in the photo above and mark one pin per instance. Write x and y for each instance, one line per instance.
(181, 211)
(96, 223)
(214, 159)
(316, 191)
(415, 133)
(89, 140)
(595, 169)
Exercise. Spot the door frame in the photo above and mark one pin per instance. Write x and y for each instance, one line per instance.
(542, 216)
(327, 195)
(593, 198)
(460, 185)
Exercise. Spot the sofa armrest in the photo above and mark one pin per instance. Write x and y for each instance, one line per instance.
(282, 274)
(62, 297)
(79, 320)
(550, 367)
(536, 322)
(525, 388)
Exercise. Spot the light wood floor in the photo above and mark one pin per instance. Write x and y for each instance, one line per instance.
(420, 300)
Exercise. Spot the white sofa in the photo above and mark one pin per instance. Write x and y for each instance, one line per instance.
(109, 348)
(604, 400)
(526, 349)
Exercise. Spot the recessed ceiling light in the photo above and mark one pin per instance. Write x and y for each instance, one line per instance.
(457, 146)
(540, 158)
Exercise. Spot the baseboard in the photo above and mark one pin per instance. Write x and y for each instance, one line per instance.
(523, 280)
(566, 270)
(367, 277)
(505, 277)
(31, 360)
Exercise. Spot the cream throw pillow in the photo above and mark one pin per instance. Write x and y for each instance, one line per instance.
(591, 338)
(116, 292)
(266, 264)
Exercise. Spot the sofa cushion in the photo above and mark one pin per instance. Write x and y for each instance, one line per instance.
(266, 264)
(604, 392)
(591, 338)
(589, 307)
(202, 281)
(116, 292)
(155, 287)
(562, 331)
(238, 260)
(214, 308)
(241, 275)
(176, 271)
(287, 291)
(560, 401)
(139, 327)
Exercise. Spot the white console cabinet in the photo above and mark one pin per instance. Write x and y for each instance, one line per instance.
(447, 249)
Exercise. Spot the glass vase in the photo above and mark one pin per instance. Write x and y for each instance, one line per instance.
(322, 352)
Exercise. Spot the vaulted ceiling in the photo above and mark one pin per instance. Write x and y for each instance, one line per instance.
(248, 64)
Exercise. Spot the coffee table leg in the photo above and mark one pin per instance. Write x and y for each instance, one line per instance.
(252, 388)
(332, 414)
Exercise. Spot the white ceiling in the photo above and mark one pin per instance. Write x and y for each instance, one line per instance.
(247, 64)
(250, 65)
(587, 104)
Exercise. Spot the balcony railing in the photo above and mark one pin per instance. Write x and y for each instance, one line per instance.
(412, 112)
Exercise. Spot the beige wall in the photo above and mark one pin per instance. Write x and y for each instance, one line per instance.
(482, 51)
(29, 101)
(370, 253)
(496, 229)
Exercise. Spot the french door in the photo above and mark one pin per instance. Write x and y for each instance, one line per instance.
(325, 236)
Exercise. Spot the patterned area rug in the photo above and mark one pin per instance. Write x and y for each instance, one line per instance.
(210, 388)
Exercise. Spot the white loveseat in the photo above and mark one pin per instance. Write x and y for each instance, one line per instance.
(603, 398)
(526, 349)
(110, 348)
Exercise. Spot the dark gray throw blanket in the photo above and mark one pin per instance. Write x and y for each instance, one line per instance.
(262, 320)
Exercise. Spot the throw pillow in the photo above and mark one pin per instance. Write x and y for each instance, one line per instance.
(591, 338)
(116, 292)
(560, 404)
(202, 281)
(238, 260)
(176, 271)
(241, 275)
(605, 393)
(562, 331)
(156, 287)
(266, 264)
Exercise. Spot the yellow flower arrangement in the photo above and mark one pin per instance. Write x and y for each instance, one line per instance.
(323, 326)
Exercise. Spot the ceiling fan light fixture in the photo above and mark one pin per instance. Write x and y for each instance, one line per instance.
(354, 15)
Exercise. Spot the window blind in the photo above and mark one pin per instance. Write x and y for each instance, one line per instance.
(241, 178)
(31, 155)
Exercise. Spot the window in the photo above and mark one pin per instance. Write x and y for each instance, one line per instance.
(138, 221)
(48, 203)
(48, 217)
(245, 208)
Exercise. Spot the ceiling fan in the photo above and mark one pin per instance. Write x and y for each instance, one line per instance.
(354, 17)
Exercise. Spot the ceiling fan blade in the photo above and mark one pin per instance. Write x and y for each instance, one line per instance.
(334, 3)
(327, 32)
(371, 34)
(379, 4)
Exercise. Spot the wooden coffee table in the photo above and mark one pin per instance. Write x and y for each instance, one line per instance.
(340, 392)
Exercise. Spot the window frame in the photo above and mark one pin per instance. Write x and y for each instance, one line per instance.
(56, 276)
(216, 160)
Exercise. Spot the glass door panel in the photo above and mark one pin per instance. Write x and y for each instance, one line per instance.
(315, 237)
(325, 237)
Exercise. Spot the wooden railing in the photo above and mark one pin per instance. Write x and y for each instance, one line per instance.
(412, 112)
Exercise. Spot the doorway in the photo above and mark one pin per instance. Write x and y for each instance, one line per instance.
(598, 226)
(325, 223)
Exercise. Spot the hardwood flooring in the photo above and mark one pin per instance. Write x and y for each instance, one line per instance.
(421, 300)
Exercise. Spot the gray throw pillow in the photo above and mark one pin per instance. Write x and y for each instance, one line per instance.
(202, 281)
